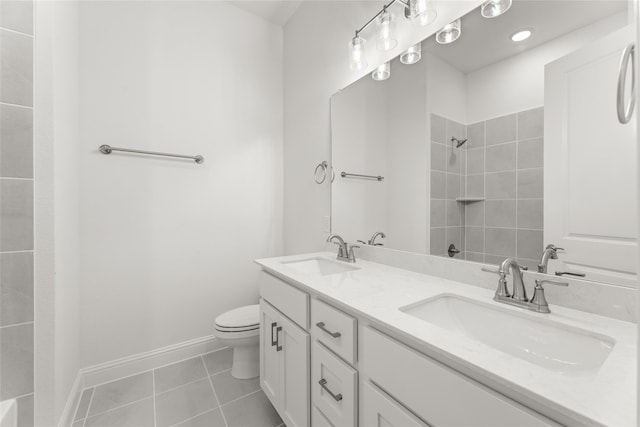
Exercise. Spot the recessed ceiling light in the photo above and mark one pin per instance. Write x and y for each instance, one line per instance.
(521, 35)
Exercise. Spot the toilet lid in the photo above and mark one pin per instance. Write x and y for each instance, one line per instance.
(241, 318)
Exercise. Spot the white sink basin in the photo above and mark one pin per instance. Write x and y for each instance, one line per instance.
(320, 266)
(535, 339)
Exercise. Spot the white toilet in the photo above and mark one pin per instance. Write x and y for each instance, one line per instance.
(240, 329)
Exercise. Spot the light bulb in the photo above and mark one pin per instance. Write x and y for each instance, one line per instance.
(421, 13)
(357, 53)
(521, 35)
(449, 33)
(386, 29)
(412, 55)
(493, 8)
(383, 72)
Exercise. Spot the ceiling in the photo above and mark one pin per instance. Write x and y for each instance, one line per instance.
(276, 12)
(486, 41)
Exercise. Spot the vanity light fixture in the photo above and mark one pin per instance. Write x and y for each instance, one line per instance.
(521, 35)
(449, 33)
(386, 31)
(420, 12)
(383, 72)
(494, 8)
(412, 55)
(357, 53)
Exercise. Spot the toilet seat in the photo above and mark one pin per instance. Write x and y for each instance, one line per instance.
(240, 320)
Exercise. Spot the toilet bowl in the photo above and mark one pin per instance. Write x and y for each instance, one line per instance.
(240, 329)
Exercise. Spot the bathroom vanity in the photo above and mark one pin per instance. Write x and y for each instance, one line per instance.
(366, 344)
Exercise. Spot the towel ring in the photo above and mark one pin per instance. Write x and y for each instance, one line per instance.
(323, 169)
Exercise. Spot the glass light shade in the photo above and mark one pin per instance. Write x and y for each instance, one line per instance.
(383, 72)
(493, 8)
(412, 55)
(357, 53)
(449, 33)
(421, 13)
(386, 32)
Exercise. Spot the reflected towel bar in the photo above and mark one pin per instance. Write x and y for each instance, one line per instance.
(347, 175)
(107, 149)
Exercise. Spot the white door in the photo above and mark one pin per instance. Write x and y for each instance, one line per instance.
(269, 355)
(590, 176)
(294, 368)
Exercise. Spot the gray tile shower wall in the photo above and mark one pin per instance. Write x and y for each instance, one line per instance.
(502, 163)
(16, 207)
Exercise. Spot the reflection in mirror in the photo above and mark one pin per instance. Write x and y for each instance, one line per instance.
(497, 145)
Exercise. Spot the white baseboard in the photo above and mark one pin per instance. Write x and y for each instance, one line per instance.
(131, 365)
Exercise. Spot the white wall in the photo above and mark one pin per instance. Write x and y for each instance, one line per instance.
(519, 80)
(167, 245)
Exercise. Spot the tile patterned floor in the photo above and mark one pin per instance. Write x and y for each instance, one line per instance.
(198, 392)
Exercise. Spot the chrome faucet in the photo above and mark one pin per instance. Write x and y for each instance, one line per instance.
(372, 240)
(519, 298)
(345, 253)
(550, 252)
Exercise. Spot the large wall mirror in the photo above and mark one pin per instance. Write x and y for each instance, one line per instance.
(497, 145)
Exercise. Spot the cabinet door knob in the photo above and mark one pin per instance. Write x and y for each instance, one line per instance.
(273, 341)
(323, 384)
(324, 329)
(278, 346)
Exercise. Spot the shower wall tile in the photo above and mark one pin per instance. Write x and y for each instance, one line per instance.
(474, 214)
(530, 244)
(438, 129)
(501, 129)
(501, 157)
(453, 186)
(438, 157)
(16, 215)
(455, 130)
(500, 241)
(437, 238)
(530, 213)
(475, 186)
(438, 213)
(16, 288)
(16, 360)
(530, 184)
(474, 239)
(500, 213)
(16, 141)
(531, 124)
(501, 185)
(17, 15)
(475, 136)
(530, 153)
(454, 236)
(474, 256)
(438, 185)
(475, 161)
(16, 68)
(455, 160)
(453, 213)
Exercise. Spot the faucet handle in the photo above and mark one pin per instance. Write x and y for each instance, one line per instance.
(363, 242)
(539, 283)
(554, 247)
(491, 270)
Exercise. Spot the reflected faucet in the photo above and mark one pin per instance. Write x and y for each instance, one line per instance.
(550, 252)
(372, 240)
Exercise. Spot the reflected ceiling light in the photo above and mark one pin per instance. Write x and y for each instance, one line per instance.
(420, 12)
(386, 31)
(383, 72)
(449, 33)
(357, 53)
(493, 8)
(521, 35)
(412, 55)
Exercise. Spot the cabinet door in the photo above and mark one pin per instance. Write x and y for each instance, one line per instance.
(590, 164)
(380, 411)
(269, 356)
(294, 378)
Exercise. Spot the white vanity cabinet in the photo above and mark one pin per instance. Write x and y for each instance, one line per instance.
(284, 360)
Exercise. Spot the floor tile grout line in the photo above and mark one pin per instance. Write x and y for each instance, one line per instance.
(242, 397)
(195, 416)
(120, 407)
(182, 385)
(224, 419)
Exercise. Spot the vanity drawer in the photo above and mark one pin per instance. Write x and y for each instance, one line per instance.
(334, 329)
(380, 410)
(289, 300)
(333, 387)
(435, 392)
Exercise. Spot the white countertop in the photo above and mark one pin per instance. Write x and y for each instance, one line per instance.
(376, 291)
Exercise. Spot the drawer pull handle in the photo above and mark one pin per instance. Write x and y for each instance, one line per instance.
(278, 346)
(273, 342)
(323, 384)
(333, 334)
